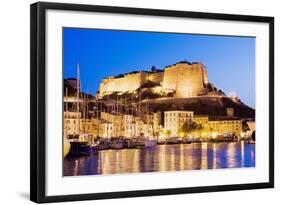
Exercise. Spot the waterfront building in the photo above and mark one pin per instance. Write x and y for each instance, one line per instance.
(147, 118)
(174, 120)
(88, 126)
(78, 128)
(225, 125)
(157, 123)
(147, 130)
(138, 128)
(201, 120)
(106, 130)
(128, 126)
(116, 122)
(121, 125)
(71, 123)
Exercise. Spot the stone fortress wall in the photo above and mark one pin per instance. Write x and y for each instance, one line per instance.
(185, 78)
(129, 82)
(156, 77)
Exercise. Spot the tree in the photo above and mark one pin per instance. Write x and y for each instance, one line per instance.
(168, 133)
(200, 128)
(156, 134)
(245, 126)
(188, 128)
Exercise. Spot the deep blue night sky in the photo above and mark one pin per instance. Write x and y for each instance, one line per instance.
(230, 61)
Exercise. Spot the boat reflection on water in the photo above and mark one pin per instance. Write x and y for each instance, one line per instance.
(176, 157)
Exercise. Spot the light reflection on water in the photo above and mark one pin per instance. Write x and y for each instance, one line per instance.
(164, 158)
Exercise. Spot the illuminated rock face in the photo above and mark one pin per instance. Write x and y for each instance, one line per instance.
(186, 79)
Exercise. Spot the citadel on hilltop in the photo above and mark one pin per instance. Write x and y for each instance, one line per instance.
(183, 79)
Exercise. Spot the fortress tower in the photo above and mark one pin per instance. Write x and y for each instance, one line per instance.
(186, 79)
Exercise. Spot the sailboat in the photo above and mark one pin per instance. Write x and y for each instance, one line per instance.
(145, 141)
(82, 146)
(117, 143)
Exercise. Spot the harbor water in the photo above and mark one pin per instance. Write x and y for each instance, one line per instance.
(163, 158)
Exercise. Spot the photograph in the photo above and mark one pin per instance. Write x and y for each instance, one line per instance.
(137, 102)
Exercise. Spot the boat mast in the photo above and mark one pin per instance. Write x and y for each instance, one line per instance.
(147, 118)
(87, 98)
(66, 109)
(140, 113)
(84, 111)
(117, 115)
(113, 120)
(108, 114)
(126, 117)
(66, 104)
(98, 117)
(77, 97)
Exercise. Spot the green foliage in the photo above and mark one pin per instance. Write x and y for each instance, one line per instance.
(245, 126)
(168, 133)
(188, 128)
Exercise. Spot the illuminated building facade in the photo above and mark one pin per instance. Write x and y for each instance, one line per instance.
(201, 120)
(174, 120)
(71, 123)
(225, 126)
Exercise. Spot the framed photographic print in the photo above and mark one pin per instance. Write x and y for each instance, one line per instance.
(129, 102)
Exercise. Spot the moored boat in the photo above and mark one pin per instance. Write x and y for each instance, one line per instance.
(80, 146)
(186, 140)
(250, 141)
(150, 143)
(130, 143)
(81, 149)
(117, 144)
(143, 142)
(140, 144)
(103, 144)
(161, 142)
(174, 140)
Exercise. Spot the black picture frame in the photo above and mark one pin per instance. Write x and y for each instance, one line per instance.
(38, 101)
